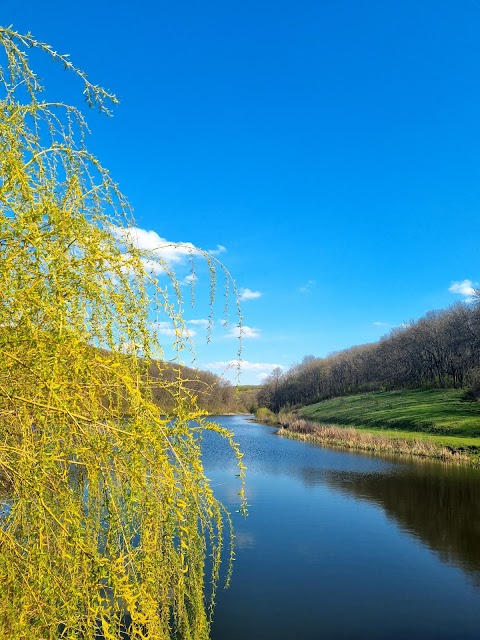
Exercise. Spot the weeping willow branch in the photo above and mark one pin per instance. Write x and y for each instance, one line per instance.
(104, 508)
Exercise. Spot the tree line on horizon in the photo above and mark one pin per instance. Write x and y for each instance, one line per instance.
(441, 349)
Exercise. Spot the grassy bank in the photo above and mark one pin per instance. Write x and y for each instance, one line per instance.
(433, 423)
(437, 412)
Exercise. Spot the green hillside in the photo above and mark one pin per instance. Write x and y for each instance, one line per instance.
(440, 415)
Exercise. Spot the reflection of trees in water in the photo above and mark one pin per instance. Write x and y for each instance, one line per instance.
(438, 505)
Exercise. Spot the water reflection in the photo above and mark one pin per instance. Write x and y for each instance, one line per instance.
(244, 539)
(344, 545)
(438, 505)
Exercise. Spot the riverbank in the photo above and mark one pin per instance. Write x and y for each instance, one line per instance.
(435, 423)
(291, 426)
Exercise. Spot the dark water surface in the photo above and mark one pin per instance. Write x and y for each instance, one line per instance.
(342, 545)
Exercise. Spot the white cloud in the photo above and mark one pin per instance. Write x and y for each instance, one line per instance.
(308, 286)
(245, 365)
(199, 322)
(191, 279)
(167, 329)
(263, 376)
(464, 288)
(220, 249)
(153, 267)
(248, 294)
(254, 372)
(170, 252)
(381, 324)
(244, 332)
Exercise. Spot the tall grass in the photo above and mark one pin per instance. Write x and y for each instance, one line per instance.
(349, 438)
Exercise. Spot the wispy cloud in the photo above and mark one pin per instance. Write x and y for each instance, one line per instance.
(262, 368)
(199, 322)
(245, 332)
(190, 279)
(248, 294)
(167, 329)
(216, 252)
(381, 324)
(308, 286)
(464, 288)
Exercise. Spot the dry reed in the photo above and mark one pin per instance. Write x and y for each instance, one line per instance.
(349, 438)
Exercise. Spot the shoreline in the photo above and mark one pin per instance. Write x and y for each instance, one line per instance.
(350, 438)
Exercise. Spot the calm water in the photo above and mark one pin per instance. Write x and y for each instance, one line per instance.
(341, 545)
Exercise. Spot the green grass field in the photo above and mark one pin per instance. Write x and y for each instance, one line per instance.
(439, 415)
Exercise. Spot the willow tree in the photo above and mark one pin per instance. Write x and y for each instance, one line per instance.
(106, 513)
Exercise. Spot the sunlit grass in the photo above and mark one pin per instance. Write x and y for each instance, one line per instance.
(433, 413)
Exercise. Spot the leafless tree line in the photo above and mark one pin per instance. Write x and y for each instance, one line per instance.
(441, 349)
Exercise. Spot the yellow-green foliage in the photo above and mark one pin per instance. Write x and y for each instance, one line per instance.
(265, 415)
(100, 513)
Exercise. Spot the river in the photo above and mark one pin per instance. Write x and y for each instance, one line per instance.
(343, 545)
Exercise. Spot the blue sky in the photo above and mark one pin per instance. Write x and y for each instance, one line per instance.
(332, 147)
